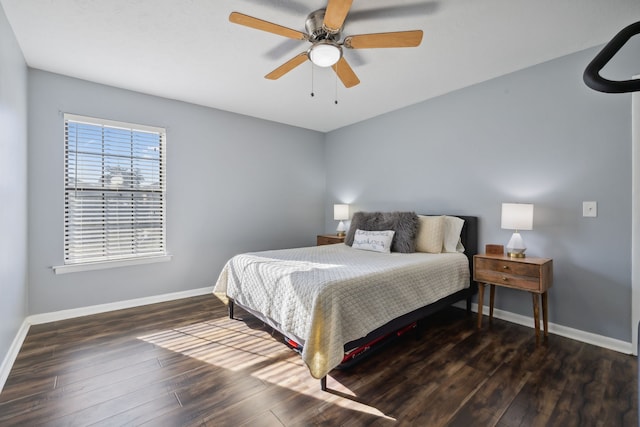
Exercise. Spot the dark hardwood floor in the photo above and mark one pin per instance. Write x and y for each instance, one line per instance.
(184, 363)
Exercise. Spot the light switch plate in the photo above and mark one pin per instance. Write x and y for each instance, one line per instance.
(590, 209)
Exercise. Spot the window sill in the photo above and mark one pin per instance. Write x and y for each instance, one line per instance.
(73, 268)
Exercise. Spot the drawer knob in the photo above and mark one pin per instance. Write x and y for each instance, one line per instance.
(504, 279)
(505, 267)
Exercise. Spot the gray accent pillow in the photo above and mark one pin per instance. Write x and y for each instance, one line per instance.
(405, 224)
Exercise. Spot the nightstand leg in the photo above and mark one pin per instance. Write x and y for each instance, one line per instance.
(536, 315)
(480, 303)
(492, 298)
(545, 314)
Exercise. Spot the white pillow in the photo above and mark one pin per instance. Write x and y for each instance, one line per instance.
(430, 236)
(452, 229)
(377, 241)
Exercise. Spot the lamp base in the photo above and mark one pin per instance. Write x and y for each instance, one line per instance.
(516, 255)
(340, 234)
(515, 247)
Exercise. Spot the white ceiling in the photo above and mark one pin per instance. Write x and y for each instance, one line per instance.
(188, 50)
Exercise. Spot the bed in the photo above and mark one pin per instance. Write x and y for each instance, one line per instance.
(334, 302)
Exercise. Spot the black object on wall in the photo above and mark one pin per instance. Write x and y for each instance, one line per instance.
(592, 76)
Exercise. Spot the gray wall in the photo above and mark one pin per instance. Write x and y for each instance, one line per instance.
(13, 187)
(538, 136)
(235, 184)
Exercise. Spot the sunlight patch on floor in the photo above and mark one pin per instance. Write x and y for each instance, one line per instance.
(236, 346)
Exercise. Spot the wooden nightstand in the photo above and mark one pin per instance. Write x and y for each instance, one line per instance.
(534, 275)
(329, 239)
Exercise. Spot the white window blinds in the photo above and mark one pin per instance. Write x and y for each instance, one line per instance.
(114, 190)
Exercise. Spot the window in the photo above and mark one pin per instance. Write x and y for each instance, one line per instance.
(114, 191)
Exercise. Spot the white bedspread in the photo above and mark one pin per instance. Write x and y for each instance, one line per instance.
(330, 295)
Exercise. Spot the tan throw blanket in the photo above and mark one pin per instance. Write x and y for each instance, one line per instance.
(333, 294)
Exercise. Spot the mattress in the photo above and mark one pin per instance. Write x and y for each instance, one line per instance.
(326, 296)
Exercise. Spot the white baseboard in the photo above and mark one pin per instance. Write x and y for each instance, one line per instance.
(564, 331)
(37, 319)
(11, 355)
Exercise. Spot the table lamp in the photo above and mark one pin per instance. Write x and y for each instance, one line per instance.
(341, 213)
(517, 216)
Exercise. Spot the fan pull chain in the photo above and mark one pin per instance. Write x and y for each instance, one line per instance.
(336, 73)
(312, 94)
(336, 100)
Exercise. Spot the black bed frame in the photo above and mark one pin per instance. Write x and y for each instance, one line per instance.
(469, 237)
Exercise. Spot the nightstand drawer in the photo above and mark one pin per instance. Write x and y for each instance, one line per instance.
(506, 279)
(328, 239)
(509, 267)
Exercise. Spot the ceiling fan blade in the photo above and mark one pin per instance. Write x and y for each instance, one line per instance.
(397, 39)
(287, 66)
(335, 15)
(345, 73)
(259, 24)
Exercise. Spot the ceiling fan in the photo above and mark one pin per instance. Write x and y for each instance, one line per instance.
(323, 32)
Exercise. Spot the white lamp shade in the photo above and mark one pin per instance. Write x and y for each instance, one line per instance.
(340, 212)
(517, 216)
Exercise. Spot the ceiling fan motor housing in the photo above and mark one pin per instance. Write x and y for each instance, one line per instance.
(315, 29)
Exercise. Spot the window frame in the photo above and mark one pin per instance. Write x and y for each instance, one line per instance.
(106, 193)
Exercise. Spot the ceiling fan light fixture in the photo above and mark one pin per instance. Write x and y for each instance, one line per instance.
(325, 53)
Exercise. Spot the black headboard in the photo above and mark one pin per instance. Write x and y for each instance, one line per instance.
(469, 235)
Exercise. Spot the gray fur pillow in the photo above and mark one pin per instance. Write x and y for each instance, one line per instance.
(405, 224)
